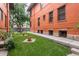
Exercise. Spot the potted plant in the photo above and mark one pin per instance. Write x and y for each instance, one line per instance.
(29, 38)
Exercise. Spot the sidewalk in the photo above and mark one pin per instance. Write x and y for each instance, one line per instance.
(64, 41)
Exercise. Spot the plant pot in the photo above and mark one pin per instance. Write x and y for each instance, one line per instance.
(29, 39)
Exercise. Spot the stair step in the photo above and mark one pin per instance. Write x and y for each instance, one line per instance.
(3, 53)
(72, 54)
(2, 49)
(75, 51)
(1, 42)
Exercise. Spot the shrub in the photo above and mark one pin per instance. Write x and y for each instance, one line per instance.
(9, 44)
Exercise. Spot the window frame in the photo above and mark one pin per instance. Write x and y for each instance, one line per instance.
(5, 20)
(50, 16)
(62, 13)
(41, 31)
(38, 31)
(30, 13)
(44, 17)
(30, 24)
(50, 32)
(1, 14)
(38, 21)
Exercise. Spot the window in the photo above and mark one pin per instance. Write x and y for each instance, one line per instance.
(30, 24)
(63, 33)
(44, 17)
(50, 32)
(61, 13)
(50, 16)
(1, 15)
(41, 31)
(5, 20)
(30, 13)
(38, 31)
(38, 21)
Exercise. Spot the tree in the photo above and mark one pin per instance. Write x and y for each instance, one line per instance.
(18, 15)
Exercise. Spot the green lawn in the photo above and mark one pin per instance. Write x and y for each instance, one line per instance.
(41, 47)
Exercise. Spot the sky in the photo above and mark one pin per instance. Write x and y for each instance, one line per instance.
(27, 7)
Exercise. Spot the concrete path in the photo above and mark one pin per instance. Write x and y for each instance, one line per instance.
(72, 54)
(65, 41)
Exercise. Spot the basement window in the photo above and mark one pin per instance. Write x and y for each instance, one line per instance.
(38, 31)
(63, 33)
(50, 32)
(41, 31)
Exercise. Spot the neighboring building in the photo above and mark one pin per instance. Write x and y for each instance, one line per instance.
(4, 16)
(58, 19)
(25, 27)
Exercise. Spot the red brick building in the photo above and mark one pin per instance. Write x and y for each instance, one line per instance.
(58, 19)
(4, 16)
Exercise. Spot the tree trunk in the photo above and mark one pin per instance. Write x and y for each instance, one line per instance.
(19, 28)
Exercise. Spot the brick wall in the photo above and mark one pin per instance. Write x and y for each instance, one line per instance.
(4, 23)
(72, 18)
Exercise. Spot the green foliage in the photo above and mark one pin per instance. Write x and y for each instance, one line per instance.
(77, 25)
(3, 35)
(41, 47)
(18, 15)
(10, 45)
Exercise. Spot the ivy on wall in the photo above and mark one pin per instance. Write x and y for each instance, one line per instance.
(77, 25)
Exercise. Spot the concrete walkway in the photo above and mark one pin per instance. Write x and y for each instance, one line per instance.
(72, 54)
(65, 41)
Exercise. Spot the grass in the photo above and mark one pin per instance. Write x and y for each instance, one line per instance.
(41, 47)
